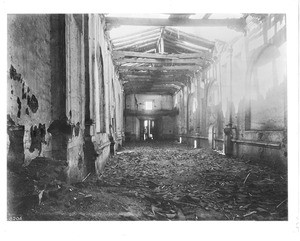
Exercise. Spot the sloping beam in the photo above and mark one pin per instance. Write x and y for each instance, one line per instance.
(135, 44)
(136, 35)
(133, 40)
(182, 45)
(160, 61)
(122, 54)
(176, 22)
(141, 48)
(189, 38)
(206, 16)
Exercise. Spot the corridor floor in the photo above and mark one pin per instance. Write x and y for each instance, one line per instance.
(170, 181)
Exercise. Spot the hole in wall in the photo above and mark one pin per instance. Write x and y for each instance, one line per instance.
(33, 103)
(14, 75)
(37, 134)
(19, 107)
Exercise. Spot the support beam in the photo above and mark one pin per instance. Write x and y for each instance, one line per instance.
(178, 22)
(153, 75)
(206, 16)
(162, 78)
(135, 44)
(137, 35)
(181, 67)
(180, 44)
(160, 61)
(133, 40)
(122, 54)
(189, 38)
(179, 84)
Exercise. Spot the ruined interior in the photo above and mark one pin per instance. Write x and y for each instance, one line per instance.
(160, 117)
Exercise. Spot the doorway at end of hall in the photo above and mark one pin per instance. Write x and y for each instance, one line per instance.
(149, 130)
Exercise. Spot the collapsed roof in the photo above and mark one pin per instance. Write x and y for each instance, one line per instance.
(162, 57)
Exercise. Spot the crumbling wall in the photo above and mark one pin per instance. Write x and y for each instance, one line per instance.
(75, 101)
(105, 114)
(29, 81)
(65, 100)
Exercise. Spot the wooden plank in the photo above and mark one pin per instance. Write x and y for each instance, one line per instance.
(167, 77)
(175, 22)
(150, 76)
(124, 43)
(172, 50)
(186, 73)
(160, 61)
(142, 48)
(136, 44)
(178, 43)
(189, 38)
(122, 54)
(180, 84)
(137, 34)
(162, 80)
(182, 67)
(206, 16)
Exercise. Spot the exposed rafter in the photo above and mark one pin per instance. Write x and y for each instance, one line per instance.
(137, 34)
(140, 44)
(198, 61)
(121, 54)
(189, 38)
(161, 68)
(206, 16)
(113, 21)
(134, 40)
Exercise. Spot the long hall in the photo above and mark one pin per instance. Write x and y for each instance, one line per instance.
(179, 116)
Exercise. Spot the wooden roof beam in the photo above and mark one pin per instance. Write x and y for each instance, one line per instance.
(156, 80)
(135, 44)
(207, 15)
(133, 40)
(182, 45)
(198, 61)
(239, 23)
(136, 34)
(189, 38)
(122, 54)
(181, 67)
(172, 47)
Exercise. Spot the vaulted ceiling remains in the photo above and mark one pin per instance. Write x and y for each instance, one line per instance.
(162, 59)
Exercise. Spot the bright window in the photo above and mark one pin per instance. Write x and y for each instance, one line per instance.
(148, 105)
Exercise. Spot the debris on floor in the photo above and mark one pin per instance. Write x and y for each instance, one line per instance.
(167, 181)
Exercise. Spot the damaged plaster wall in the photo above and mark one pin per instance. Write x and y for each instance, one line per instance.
(65, 100)
(75, 102)
(105, 96)
(29, 81)
(245, 86)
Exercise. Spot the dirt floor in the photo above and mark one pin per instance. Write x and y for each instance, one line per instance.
(154, 181)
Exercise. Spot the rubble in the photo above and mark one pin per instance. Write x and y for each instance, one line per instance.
(160, 181)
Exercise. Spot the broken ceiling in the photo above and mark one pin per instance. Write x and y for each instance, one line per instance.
(161, 52)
